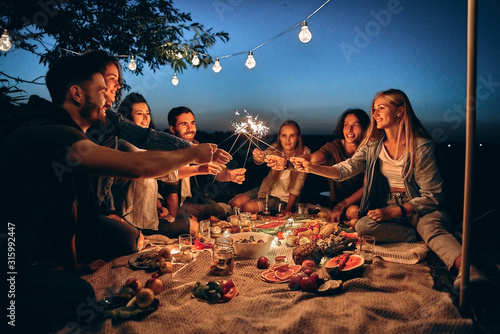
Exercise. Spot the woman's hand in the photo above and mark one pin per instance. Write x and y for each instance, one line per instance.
(258, 156)
(275, 162)
(210, 168)
(379, 214)
(333, 217)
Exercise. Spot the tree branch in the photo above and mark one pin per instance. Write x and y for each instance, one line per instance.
(24, 81)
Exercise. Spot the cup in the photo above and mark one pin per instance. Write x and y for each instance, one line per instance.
(205, 229)
(185, 248)
(280, 207)
(367, 248)
(300, 209)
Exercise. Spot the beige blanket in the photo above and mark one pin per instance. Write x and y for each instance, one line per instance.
(388, 298)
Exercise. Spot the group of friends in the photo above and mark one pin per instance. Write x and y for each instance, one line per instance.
(86, 176)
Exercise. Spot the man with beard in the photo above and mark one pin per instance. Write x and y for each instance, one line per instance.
(44, 147)
(181, 195)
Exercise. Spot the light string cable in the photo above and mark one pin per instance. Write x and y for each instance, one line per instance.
(278, 35)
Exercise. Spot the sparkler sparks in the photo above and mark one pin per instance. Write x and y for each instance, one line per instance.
(251, 126)
(252, 129)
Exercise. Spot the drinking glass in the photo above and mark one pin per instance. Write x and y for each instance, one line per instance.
(185, 247)
(367, 248)
(205, 229)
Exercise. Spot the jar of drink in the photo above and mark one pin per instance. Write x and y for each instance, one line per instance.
(223, 257)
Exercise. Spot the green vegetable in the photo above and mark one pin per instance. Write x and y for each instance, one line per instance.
(210, 291)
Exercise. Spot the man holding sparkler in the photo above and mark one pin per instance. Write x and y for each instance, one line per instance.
(181, 195)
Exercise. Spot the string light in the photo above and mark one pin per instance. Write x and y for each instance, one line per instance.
(5, 41)
(250, 63)
(175, 81)
(217, 66)
(195, 61)
(304, 35)
(132, 65)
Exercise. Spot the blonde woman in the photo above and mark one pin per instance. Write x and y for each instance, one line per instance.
(403, 194)
(281, 184)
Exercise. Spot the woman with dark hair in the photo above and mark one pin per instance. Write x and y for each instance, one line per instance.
(281, 184)
(403, 193)
(344, 196)
(135, 108)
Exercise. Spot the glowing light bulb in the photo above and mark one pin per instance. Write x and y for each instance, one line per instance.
(5, 41)
(217, 66)
(304, 35)
(250, 63)
(175, 81)
(195, 61)
(178, 55)
(132, 65)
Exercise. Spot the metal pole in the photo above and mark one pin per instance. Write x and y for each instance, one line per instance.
(469, 148)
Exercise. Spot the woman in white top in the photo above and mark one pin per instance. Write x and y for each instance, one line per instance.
(281, 184)
(403, 194)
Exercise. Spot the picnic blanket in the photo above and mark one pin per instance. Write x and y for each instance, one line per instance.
(388, 298)
(402, 252)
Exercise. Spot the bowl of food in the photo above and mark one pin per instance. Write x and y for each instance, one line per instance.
(251, 244)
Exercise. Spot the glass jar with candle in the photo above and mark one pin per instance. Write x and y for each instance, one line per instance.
(223, 257)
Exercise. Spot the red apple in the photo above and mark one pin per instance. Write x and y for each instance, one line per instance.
(263, 262)
(227, 285)
(308, 271)
(134, 284)
(308, 284)
(314, 276)
(295, 282)
(155, 284)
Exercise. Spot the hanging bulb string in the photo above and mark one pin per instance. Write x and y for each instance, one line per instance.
(220, 57)
(278, 35)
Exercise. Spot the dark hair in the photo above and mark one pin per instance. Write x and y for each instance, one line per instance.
(175, 112)
(102, 58)
(66, 72)
(127, 104)
(363, 118)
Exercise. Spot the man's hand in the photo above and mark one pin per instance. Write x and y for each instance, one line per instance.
(275, 162)
(301, 164)
(162, 211)
(221, 157)
(237, 175)
(204, 153)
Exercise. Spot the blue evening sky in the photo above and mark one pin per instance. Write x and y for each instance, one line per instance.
(358, 48)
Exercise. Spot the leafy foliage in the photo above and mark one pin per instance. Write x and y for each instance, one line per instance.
(153, 30)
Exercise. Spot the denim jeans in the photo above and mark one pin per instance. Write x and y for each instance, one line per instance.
(431, 227)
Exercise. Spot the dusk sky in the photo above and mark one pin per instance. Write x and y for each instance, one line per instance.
(358, 48)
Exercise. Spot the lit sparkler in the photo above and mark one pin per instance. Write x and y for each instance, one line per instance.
(252, 126)
(252, 129)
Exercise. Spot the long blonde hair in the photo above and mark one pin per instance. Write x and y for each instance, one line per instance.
(298, 151)
(409, 124)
